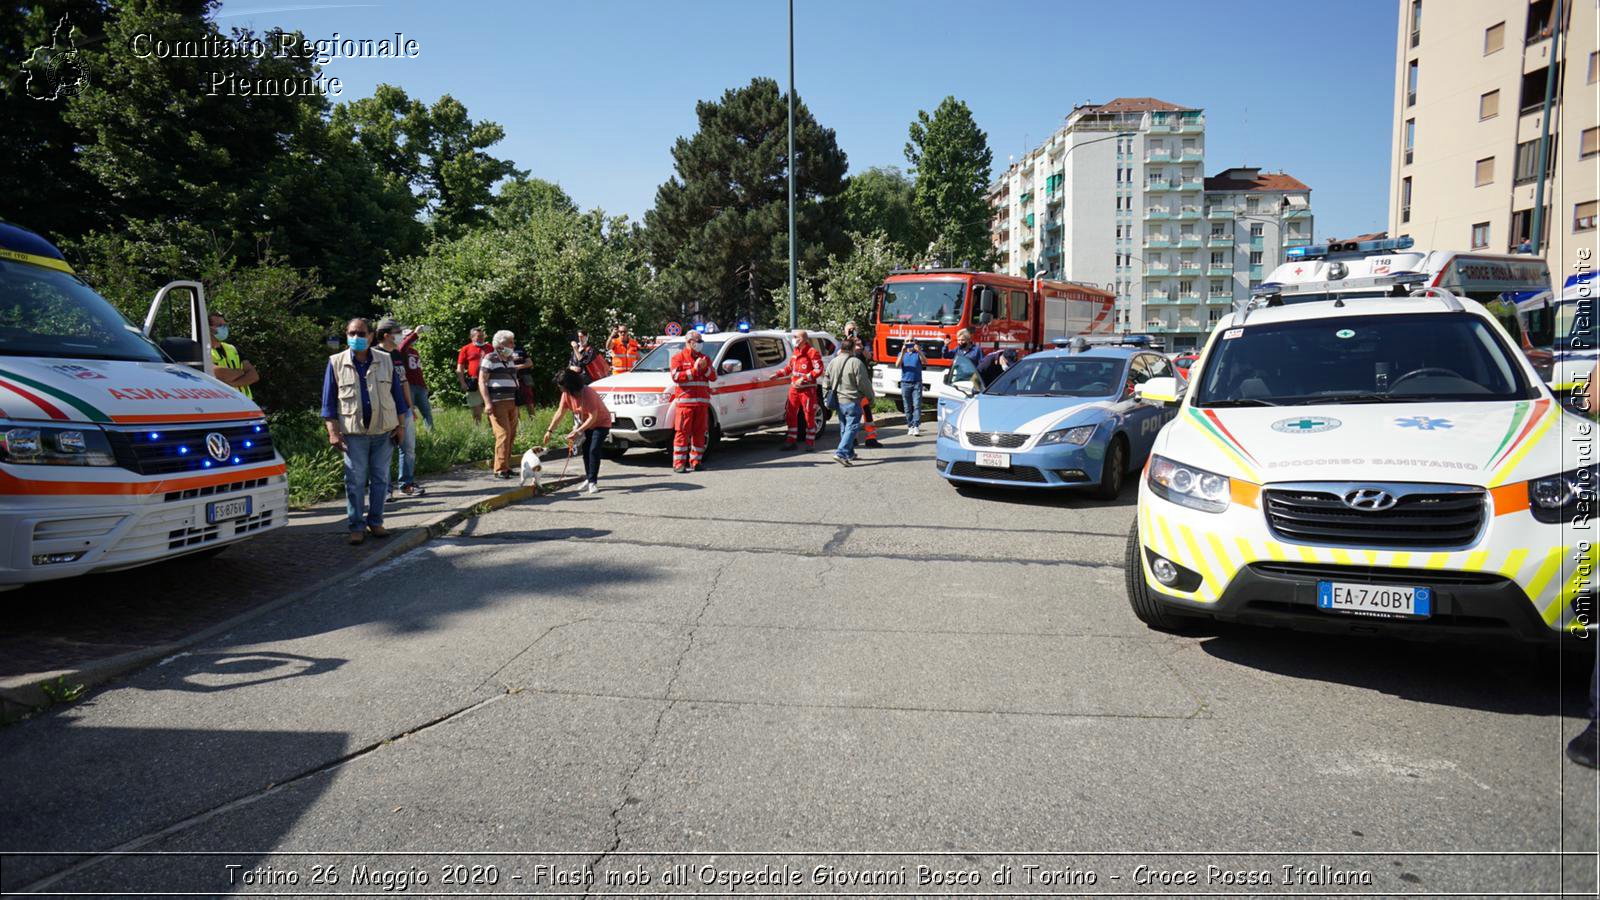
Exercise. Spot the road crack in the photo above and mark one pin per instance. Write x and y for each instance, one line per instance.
(627, 797)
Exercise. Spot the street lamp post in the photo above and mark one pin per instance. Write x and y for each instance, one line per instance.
(794, 297)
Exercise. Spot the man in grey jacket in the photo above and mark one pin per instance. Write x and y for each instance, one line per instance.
(848, 379)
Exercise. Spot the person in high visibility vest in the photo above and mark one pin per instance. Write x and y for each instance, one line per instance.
(624, 350)
(226, 366)
(692, 375)
(803, 370)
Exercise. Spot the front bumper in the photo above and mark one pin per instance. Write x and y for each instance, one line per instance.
(1059, 466)
(119, 532)
(642, 427)
(1522, 578)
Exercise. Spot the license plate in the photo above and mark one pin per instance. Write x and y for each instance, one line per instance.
(1375, 599)
(994, 460)
(223, 510)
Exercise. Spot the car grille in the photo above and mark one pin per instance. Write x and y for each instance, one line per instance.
(1378, 574)
(1003, 440)
(1421, 518)
(164, 451)
(1026, 474)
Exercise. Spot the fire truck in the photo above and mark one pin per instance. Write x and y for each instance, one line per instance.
(929, 306)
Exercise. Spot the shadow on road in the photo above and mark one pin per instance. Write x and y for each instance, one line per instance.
(206, 673)
(1068, 498)
(1513, 679)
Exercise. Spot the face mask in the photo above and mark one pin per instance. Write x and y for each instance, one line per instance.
(222, 332)
(358, 344)
(505, 352)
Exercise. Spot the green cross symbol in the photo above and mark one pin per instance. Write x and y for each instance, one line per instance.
(1305, 423)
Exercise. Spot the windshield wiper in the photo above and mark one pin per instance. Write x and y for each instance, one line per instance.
(1240, 401)
(1342, 398)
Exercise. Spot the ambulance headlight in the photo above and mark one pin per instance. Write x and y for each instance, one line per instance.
(46, 445)
(1557, 498)
(1189, 486)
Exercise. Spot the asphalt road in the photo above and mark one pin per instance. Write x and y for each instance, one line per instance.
(781, 655)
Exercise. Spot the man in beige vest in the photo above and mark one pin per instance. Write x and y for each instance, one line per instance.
(363, 399)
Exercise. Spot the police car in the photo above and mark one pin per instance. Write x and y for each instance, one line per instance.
(1054, 419)
(1364, 454)
(748, 394)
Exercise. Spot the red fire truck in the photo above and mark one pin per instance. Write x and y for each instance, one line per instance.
(1003, 311)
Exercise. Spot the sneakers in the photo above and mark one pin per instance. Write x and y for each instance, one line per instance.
(788, 445)
(810, 446)
(680, 468)
(356, 537)
(590, 487)
(1583, 748)
(413, 490)
(914, 431)
(843, 460)
(378, 531)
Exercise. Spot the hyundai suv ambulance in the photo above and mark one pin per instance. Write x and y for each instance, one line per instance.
(748, 394)
(117, 447)
(1365, 454)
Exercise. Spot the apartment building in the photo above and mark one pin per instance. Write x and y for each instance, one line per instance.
(1472, 81)
(1117, 197)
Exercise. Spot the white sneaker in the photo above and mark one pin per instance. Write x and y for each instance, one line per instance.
(590, 487)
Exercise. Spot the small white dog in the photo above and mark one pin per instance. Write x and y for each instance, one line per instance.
(532, 467)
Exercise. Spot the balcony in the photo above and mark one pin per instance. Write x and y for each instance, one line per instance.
(1219, 271)
(1156, 241)
(1155, 213)
(1189, 242)
(1190, 154)
(1255, 242)
(1161, 127)
(1188, 214)
(1192, 124)
(1158, 297)
(1191, 184)
(1160, 186)
(1155, 270)
(1301, 212)
(1219, 241)
(1192, 325)
(1025, 241)
(1295, 240)
(1154, 156)
(1190, 297)
(1255, 273)
(1189, 268)
(1219, 212)
(1219, 298)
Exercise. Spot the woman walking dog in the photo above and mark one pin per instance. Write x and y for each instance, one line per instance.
(591, 424)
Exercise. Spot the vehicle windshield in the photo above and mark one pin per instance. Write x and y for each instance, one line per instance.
(1575, 325)
(1407, 358)
(660, 359)
(1060, 376)
(923, 302)
(48, 313)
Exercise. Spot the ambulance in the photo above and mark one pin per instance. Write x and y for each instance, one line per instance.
(748, 394)
(117, 446)
(1365, 454)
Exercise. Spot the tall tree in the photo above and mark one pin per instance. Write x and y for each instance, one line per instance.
(520, 198)
(883, 199)
(950, 157)
(719, 233)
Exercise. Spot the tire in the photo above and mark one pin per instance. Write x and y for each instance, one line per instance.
(714, 436)
(613, 452)
(1114, 470)
(1146, 607)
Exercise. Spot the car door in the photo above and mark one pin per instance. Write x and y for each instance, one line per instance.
(1146, 417)
(177, 322)
(770, 353)
(732, 394)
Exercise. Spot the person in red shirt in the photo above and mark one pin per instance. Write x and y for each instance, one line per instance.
(691, 377)
(591, 423)
(800, 408)
(413, 366)
(467, 360)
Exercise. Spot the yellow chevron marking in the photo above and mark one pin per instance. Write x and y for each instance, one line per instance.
(1435, 560)
(1275, 550)
(1371, 556)
(1343, 558)
(1209, 578)
(1546, 571)
(1510, 465)
(1513, 563)
(1402, 560)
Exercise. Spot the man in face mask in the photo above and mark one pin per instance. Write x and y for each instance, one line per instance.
(692, 375)
(497, 384)
(467, 359)
(965, 347)
(226, 366)
(363, 398)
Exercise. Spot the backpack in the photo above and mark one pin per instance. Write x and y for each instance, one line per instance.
(598, 367)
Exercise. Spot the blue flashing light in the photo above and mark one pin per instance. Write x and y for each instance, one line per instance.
(236, 460)
(155, 435)
(183, 451)
(205, 463)
(257, 429)
(249, 443)
(744, 326)
(1317, 251)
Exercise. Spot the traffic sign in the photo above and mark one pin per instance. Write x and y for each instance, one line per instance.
(673, 329)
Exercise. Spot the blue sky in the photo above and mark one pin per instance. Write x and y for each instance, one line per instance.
(593, 93)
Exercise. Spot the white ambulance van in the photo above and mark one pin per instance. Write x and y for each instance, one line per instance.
(748, 394)
(1364, 453)
(117, 447)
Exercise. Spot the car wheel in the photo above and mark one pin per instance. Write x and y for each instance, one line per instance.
(714, 438)
(1146, 607)
(1113, 470)
(614, 452)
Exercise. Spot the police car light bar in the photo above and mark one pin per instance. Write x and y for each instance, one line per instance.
(1359, 248)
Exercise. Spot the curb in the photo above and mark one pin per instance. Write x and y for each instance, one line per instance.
(22, 695)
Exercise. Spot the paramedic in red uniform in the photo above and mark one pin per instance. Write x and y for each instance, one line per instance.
(691, 377)
(800, 409)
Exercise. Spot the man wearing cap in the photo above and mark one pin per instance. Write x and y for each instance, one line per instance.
(385, 332)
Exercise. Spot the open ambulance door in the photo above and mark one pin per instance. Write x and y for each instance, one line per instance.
(178, 323)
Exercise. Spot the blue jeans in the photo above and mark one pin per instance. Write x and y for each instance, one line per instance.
(366, 478)
(593, 441)
(849, 427)
(408, 450)
(911, 396)
(419, 402)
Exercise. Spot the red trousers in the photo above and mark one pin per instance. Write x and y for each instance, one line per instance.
(691, 421)
(801, 406)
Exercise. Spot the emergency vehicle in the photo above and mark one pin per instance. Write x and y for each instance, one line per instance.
(1566, 325)
(117, 447)
(1364, 453)
(748, 394)
(929, 306)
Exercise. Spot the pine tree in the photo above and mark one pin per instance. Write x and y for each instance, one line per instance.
(950, 156)
(719, 231)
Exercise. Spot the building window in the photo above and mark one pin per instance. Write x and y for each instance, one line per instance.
(1589, 145)
(1411, 84)
(1533, 86)
(1252, 204)
(1411, 138)
(1522, 229)
(1255, 257)
(1255, 230)
(1185, 286)
(1494, 38)
(1405, 199)
(1416, 22)
(1217, 230)
(1594, 68)
(1527, 161)
(1480, 235)
(1583, 216)
(1541, 20)
(1483, 172)
(1216, 257)
(1489, 105)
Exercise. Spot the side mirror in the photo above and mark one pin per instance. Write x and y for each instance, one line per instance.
(730, 366)
(988, 305)
(1165, 391)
